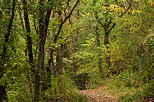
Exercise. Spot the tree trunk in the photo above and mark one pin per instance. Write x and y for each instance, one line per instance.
(74, 50)
(5, 57)
(99, 51)
(59, 57)
(29, 44)
(29, 38)
(106, 43)
(107, 29)
(51, 65)
(40, 71)
(3, 95)
(59, 60)
(74, 42)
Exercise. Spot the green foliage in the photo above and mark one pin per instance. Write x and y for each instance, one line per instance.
(129, 79)
(132, 67)
(95, 80)
(140, 94)
(63, 90)
(67, 85)
(130, 87)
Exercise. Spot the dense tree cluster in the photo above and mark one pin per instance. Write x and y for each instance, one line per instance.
(48, 48)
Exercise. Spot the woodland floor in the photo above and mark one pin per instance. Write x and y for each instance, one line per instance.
(98, 95)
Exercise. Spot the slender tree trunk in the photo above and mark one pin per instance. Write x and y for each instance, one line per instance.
(40, 71)
(59, 60)
(74, 41)
(37, 32)
(29, 38)
(99, 51)
(106, 43)
(5, 57)
(74, 50)
(51, 65)
(59, 56)
(29, 44)
(21, 18)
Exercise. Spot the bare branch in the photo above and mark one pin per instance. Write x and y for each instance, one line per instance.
(111, 27)
(61, 25)
(126, 9)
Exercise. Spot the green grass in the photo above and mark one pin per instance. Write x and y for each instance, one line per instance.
(123, 92)
(68, 98)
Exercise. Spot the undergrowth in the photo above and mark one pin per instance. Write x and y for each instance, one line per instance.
(130, 87)
(95, 80)
(63, 90)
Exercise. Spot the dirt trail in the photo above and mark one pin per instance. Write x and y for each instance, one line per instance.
(98, 95)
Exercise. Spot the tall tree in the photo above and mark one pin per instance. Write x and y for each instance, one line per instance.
(29, 38)
(5, 55)
(108, 24)
(29, 43)
(44, 17)
(58, 67)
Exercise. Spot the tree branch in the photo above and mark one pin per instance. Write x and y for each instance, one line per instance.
(126, 9)
(98, 20)
(48, 14)
(111, 27)
(9, 28)
(61, 25)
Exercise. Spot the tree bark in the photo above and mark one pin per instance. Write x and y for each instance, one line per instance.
(43, 27)
(5, 57)
(29, 38)
(29, 44)
(59, 60)
(106, 43)
(99, 51)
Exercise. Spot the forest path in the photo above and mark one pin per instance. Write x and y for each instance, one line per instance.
(98, 95)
